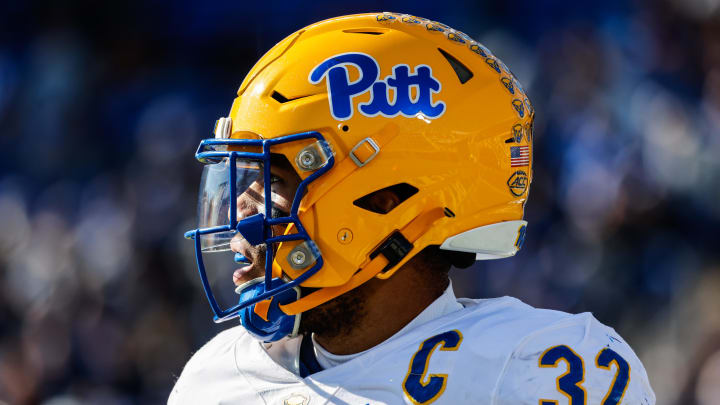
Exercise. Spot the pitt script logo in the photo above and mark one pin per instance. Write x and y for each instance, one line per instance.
(341, 91)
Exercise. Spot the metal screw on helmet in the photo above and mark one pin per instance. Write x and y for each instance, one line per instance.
(306, 159)
(311, 157)
(298, 257)
(302, 255)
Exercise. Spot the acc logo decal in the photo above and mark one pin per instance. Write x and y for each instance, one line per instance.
(341, 91)
(518, 183)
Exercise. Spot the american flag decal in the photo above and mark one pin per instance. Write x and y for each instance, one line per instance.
(519, 156)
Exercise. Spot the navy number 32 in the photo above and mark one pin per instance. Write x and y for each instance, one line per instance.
(570, 383)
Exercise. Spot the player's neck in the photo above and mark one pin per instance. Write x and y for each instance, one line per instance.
(391, 304)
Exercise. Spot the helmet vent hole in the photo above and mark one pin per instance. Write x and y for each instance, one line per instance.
(345, 128)
(366, 31)
(279, 97)
(387, 199)
(282, 99)
(463, 73)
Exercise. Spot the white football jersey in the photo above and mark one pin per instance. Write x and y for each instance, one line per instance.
(492, 351)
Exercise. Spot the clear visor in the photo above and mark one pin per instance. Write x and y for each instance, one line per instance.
(215, 198)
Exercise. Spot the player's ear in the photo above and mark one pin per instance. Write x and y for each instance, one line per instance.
(385, 200)
(382, 201)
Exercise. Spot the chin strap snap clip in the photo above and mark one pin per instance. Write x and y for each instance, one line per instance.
(394, 248)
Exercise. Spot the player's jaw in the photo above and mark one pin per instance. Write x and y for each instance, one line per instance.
(255, 255)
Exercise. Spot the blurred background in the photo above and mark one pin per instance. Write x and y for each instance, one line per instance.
(102, 105)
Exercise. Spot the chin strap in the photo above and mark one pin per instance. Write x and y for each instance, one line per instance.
(265, 320)
(412, 232)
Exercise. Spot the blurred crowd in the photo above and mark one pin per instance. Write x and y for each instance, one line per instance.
(102, 105)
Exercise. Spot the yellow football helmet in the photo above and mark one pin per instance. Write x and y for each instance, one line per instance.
(358, 104)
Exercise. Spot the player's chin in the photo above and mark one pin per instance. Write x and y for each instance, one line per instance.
(250, 271)
(257, 260)
(257, 270)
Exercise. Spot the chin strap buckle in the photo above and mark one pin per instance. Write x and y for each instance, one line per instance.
(364, 152)
(394, 248)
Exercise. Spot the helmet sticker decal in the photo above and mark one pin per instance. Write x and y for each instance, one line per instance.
(519, 155)
(517, 131)
(519, 107)
(529, 107)
(455, 36)
(507, 82)
(341, 91)
(492, 62)
(529, 128)
(479, 49)
(518, 183)
(408, 19)
(432, 26)
(385, 17)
